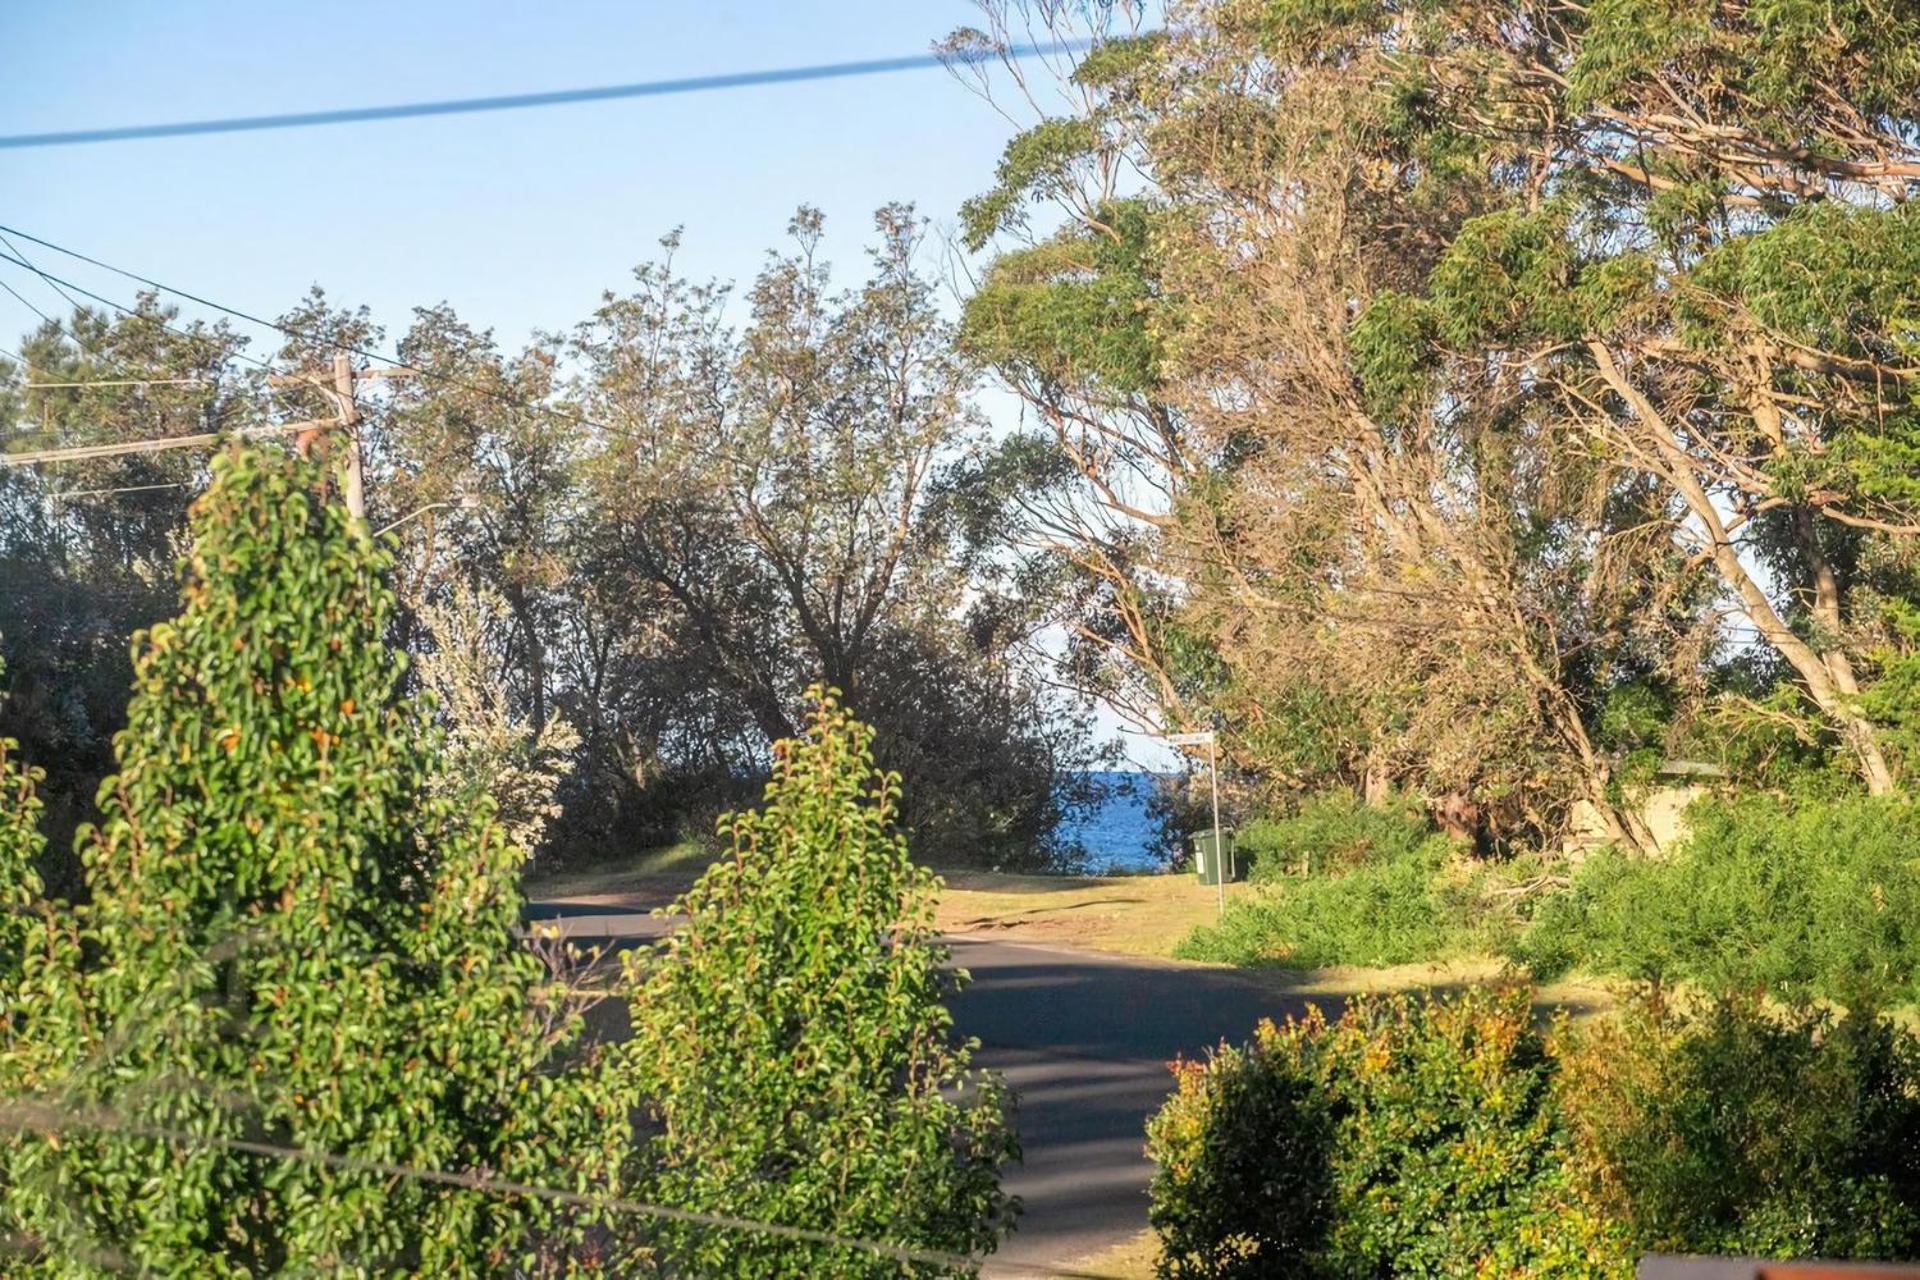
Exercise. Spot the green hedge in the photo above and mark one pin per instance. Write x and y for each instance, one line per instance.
(1450, 1137)
(1331, 834)
(1731, 1130)
(1387, 912)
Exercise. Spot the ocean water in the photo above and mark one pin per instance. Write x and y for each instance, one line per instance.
(1117, 833)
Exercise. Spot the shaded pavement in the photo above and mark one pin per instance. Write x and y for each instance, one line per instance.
(1084, 1038)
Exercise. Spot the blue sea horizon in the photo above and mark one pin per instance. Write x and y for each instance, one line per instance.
(1117, 834)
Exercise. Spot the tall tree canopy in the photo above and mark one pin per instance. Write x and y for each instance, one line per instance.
(1542, 375)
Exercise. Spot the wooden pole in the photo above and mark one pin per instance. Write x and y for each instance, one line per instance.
(349, 411)
(1219, 854)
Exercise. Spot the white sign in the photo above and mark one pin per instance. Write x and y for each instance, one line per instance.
(1203, 739)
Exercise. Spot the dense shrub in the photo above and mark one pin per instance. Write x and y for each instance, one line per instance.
(1331, 834)
(1818, 897)
(1243, 1185)
(1736, 1131)
(1410, 1138)
(1448, 1138)
(792, 1041)
(297, 965)
(20, 849)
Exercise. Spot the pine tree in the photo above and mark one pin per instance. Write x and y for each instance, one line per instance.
(793, 1045)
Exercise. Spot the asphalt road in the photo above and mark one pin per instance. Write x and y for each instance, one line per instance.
(1084, 1039)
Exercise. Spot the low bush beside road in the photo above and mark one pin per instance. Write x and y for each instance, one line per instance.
(1453, 1137)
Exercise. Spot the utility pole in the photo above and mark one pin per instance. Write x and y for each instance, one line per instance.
(347, 407)
(1219, 854)
(342, 391)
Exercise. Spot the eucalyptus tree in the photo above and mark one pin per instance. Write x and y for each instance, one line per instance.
(1534, 353)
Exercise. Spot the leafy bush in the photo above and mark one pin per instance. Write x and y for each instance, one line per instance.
(20, 848)
(1736, 1131)
(1447, 1138)
(1410, 1138)
(297, 966)
(1384, 889)
(1385, 912)
(1818, 897)
(1331, 834)
(490, 750)
(1404, 904)
(1242, 1185)
(793, 1044)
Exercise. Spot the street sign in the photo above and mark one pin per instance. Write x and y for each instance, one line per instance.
(1202, 739)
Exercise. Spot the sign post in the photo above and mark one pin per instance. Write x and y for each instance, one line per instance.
(1206, 738)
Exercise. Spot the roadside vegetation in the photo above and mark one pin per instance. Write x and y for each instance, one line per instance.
(1481, 415)
(1495, 416)
(293, 1025)
(1443, 1137)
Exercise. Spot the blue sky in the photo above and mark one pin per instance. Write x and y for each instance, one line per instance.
(519, 219)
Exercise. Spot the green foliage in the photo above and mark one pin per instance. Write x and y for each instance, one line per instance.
(1242, 1184)
(1504, 273)
(291, 941)
(20, 887)
(1447, 1137)
(1382, 914)
(1036, 165)
(1380, 889)
(1783, 60)
(1078, 308)
(1410, 1138)
(1390, 349)
(1330, 834)
(1116, 65)
(792, 1041)
(1810, 898)
(813, 514)
(1735, 1131)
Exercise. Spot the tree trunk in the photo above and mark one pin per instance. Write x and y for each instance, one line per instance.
(1828, 679)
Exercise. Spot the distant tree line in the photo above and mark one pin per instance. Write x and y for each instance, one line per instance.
(625, 551)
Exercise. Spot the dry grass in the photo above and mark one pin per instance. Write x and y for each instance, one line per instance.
(1132, 915)
(1132, 1260)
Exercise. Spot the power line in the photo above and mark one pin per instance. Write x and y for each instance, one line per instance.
(517, 101)
(85, 452)
(15, 250)
(125, 310)
(71, 302)
(22, 300)
(365, 353)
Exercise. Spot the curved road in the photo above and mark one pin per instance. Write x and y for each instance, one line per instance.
(1085, 1039)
